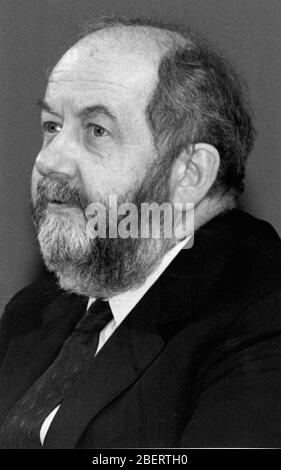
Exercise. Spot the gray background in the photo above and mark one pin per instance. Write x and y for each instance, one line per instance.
(34, 33)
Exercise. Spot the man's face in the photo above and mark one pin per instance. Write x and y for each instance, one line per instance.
(95, 134)
(97, 142)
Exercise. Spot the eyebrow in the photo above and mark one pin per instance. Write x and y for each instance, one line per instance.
(84, 112)
(98, 109)
(44, 106)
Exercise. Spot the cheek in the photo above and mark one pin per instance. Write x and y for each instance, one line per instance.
(116, 175)
(102, 185)
(107, 180)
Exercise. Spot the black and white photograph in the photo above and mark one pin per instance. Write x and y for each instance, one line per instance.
(140, 275)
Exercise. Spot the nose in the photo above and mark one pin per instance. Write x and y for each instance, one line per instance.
(59, 157)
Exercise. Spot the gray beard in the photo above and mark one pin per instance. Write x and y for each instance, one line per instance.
(98, 267)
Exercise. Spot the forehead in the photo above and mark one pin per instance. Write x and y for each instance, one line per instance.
(109, 68)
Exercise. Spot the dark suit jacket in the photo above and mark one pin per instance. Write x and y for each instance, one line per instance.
(196, 363)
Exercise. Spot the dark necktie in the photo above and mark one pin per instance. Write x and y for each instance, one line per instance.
(21, 428)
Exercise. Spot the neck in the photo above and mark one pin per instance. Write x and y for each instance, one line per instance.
(211, 207)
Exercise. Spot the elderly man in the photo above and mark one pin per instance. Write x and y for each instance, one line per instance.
(144, 341)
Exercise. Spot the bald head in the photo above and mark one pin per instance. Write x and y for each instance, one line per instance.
(146, 41)
(134, 52)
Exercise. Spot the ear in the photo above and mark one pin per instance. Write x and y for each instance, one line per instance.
(194, 173)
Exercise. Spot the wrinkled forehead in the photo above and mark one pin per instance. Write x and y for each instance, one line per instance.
(121, 58)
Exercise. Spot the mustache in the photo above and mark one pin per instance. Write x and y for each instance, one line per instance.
(55, 190)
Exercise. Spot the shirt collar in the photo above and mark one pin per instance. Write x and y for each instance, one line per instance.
(122, 304)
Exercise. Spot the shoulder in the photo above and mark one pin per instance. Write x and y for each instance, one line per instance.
(235, 259)
(232, 285)
(248, 288)
(244, 301)
(23, 312)
(253, 270)
(246, 252)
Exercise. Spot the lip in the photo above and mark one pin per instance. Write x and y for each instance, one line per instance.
(62, 207)
(58, 204)
(67, 210)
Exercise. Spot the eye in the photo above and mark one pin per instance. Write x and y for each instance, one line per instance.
(51, 127)
(96, 130)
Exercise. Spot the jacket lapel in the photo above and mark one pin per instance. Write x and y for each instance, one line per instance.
(29, 355)
(127, 353)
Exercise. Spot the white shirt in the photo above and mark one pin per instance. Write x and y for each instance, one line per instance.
(121, 305)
